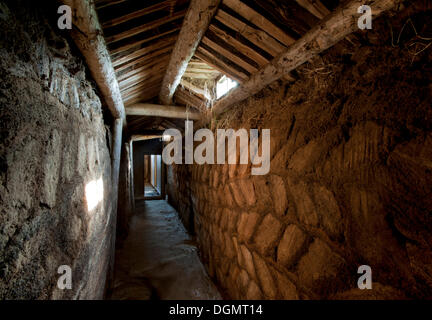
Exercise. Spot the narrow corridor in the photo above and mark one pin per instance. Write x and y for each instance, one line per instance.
(158, 259)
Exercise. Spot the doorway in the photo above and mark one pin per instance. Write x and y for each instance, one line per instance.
(152, 176)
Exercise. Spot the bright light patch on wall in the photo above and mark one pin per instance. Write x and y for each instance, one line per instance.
(94, 193)
(224, 85)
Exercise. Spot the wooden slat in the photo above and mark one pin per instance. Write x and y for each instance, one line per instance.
(141, 76)
(143, 97)
(257, 37)
(137, 43)
(136, 14)
(198, 64)
(141, 85)
(167, 42)
(155, 64)
(198, 91)
(220, 65)
(142, 82)
(247, 51)
(188, 98)
(260, 21)
(139, 62)
(145, 27)
(315, 7)
(107, 3)
(151, 92)
(147, 91)
(200, 75)
(196, 70)
(229, 55)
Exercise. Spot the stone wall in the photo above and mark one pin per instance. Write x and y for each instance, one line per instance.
(179, 193)
(349, 184)
(53, 143)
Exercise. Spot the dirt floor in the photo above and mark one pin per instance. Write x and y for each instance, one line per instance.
(158, 259)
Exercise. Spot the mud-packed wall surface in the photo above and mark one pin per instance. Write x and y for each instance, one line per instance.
(55, 161)
(349, 183)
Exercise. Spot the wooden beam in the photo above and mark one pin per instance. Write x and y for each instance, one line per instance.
(155, 110)
(145, 27)
(136, 14)
(256, 36)
(87, 34)
(319, 10)
(260, 21)
(195, 24)
(327, 33)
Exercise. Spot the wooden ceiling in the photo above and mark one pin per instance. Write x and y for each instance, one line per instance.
(243, 37)
(140, 36)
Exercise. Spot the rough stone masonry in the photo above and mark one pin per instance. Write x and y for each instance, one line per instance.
(53, 143)
(349, 184)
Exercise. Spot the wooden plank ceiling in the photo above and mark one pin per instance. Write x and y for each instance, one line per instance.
(140, 36)
(244, 36)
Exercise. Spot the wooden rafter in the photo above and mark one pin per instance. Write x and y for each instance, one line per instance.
(195, 23)
(187, 98)
(145, 27)
(130, 82)
(315, 7)
(154, 64)
(258, 37)
(140, 42)
(144, 59)
(327, 33)
(92, 45)
(100, 4)
(220, 65)
(136, 14)
(229, 55)
(247, 51)
(260, 21)
(197, 90)
(159, 45)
